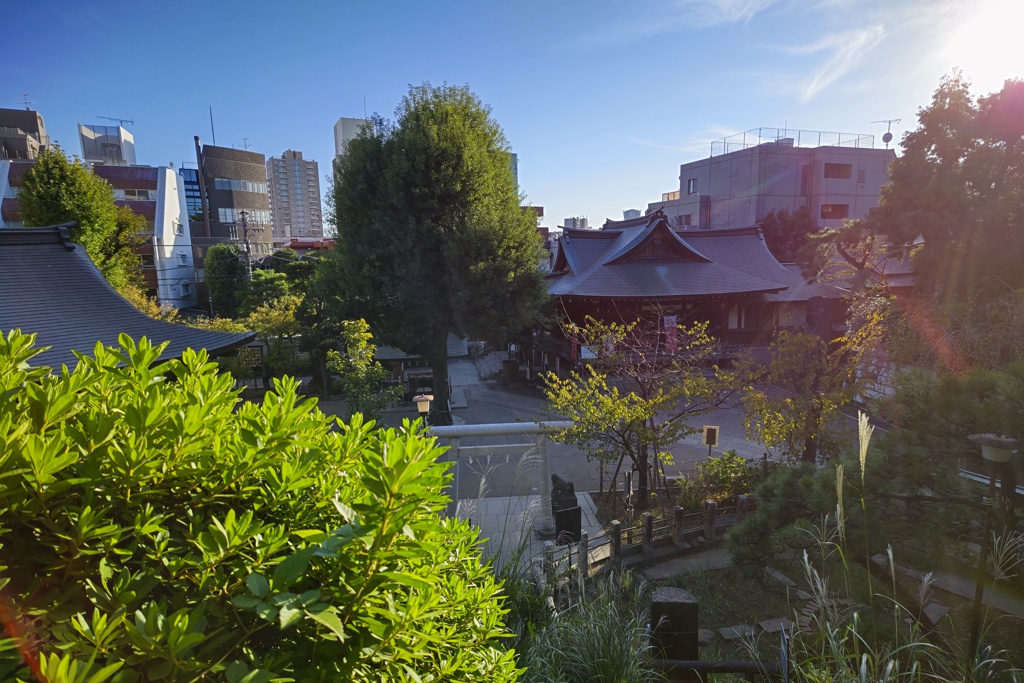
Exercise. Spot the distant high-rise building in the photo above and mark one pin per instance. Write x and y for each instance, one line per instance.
(630, 214)
(346, 130)
(576, 223)
(294, 197)
(22, 134)
(107, 145)
(515, 167)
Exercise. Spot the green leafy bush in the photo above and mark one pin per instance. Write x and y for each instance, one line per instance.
(719, 478)
(154, 528)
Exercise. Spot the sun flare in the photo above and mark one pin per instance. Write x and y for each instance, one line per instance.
(988, 43)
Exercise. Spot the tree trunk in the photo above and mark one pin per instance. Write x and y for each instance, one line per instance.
(812, 426)
(440, 414)
(643, 472)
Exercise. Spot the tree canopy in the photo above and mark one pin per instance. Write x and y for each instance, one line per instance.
(959, 188)
(787, 234)
(225, 277)
(60, 190)
(431, 235)
(157, 529)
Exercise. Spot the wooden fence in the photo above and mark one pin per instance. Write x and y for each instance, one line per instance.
(617, 545)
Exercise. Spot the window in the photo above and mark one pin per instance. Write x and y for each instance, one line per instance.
(834, 211)
(137, 195)
(148, 261)
(182, 258)
(253, 216)
(238, 185)
(186, 289)
(179, 229)
(840, 171)
(860, 177)
(691, 186)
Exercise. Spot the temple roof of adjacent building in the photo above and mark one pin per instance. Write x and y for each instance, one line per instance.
(646, 258)
(50, 286)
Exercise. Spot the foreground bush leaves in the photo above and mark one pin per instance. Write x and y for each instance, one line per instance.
(154, 528)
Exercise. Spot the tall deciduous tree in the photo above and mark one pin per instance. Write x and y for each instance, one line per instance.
(431, 236)
(959, 185)
(60, 190)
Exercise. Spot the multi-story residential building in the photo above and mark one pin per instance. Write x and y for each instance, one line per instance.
(232, 184)
(107, 145)
(630, 214)
(294, 197)
(22, 134)
(576, 223)
(834, 175)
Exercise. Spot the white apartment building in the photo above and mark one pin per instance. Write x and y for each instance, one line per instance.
(346, 130)
(294, 197)
(748, 175)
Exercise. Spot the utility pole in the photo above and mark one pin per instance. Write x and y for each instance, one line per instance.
(245, 242)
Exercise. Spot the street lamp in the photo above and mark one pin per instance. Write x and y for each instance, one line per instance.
(423, 403)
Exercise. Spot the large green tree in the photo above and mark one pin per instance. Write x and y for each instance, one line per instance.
(787, 234)
(958, 187)
(430, 230)
(60, 190)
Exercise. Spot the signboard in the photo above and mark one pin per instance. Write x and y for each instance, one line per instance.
(710, 436)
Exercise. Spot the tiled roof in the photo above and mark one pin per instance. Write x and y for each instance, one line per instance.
(643, 257)
(50, 286)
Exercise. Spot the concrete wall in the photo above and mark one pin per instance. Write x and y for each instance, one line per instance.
(172, 244)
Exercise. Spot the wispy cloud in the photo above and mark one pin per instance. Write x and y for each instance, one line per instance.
(711, 12)
(696, 143)
(849, 49)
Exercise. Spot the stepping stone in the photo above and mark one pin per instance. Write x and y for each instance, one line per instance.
(776, 625)
(802, 595)
(704, 637)
(935, 611)
(736, 632)
(780, 577)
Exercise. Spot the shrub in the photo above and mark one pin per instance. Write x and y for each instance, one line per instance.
(154, 528)
(719, 478)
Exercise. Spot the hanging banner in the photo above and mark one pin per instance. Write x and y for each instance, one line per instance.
(671, 340)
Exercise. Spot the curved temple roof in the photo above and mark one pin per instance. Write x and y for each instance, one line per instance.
(50, 286)
(644, 258)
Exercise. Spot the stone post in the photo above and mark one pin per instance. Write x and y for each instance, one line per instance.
(742, 507)
(583, 558)
(678, 533)
(616, 541)
(674, 624)
(710, 508)
(549, 564)
(648, 533)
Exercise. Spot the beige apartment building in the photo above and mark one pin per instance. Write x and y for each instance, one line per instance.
(294, 197)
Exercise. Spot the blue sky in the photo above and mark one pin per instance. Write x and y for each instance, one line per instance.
(602, 100)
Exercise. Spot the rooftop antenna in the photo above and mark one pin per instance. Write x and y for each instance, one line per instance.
(212, 133)
(26, 101)
(245, 144)
(887, 137)
(120, 122)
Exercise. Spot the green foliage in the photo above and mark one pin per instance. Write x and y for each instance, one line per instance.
(362, 378)
(432, 239)
(225, 277)
(719, 478)
(59, 190)
(959, 185)
(282, 259)
(266, 287)
(156, 529)
(815, 382)
(787, 234)
(632, 400)
(593, 641)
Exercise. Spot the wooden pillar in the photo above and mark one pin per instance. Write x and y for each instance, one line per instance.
(583, 556)
(616, 541)
(678, 533)
(648, 533)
